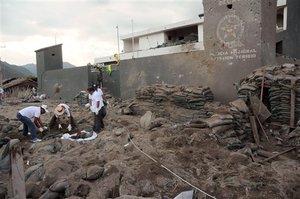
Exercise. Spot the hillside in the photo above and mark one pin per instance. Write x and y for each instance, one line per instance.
(32, 67)
(10, 70)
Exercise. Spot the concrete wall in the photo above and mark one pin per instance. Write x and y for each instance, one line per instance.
(192, 68)
(151, 41)
(240, 37)
(128, 45)
(291, 36)
(112, 82)
(268, 31)
(71, 80)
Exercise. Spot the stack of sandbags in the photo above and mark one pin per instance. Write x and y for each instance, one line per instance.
(277, 89)
(193, 98)
(155, 93)
(280, 101)
(231, 125)
(240, 112)
(297, 106)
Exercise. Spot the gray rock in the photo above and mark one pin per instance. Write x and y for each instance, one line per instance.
(49, 195)
(127, 111)
(74, 197)
(119, 131)
(30, 170)
(132, 197)
(82, 190)
(145, 120)
(60, 186)
(128, 188)
(33, 190)
(148, 188)
(47, 149)
(94, 172)
(7, 128)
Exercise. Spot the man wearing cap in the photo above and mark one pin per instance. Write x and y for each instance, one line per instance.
(27, 114)
(58, 111)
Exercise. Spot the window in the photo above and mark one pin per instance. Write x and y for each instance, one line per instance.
(279, 49)
(281, 18)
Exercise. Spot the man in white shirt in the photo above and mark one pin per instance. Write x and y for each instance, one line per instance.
(59, 111)
(97, 107)
(27, 114)
(99, 90)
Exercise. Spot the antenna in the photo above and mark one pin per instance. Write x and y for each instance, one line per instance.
(118, 40)
(132, 38)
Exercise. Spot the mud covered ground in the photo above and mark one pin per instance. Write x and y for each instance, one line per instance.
(114, 165)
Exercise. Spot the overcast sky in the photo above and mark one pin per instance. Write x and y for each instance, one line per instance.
(86, 28)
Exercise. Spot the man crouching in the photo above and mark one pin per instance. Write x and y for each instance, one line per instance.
(56, 120)
(26, 115)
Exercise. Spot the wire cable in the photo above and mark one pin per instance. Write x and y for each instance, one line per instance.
(169, 170)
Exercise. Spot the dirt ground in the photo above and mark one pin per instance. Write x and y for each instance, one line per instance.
(114, 165)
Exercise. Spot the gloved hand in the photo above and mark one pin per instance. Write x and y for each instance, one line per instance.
(87, 105)
(45, 128)
(69, 127)
(41, 129)
(59, 126)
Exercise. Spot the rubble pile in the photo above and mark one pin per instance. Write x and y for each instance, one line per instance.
(119, 163)
(293, 138)
(81, 98)
(193, 98)
(276, 80)
(231, 125)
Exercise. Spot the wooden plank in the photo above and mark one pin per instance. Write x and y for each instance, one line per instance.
(254, 130)
(259, 109)
(17, 178)
(261, 92)
(262, 128)
(293, 102)
(278, 154)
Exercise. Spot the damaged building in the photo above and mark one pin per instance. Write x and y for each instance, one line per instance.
(232, 39)
(217, 49)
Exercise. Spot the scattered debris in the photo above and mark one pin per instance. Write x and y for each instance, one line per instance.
(181, 141)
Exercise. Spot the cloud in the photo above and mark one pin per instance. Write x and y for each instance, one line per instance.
(87, 28)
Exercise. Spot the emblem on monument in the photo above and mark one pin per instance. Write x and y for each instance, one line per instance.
(229, 31)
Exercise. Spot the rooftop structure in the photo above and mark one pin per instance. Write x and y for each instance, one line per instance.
(168, 39)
